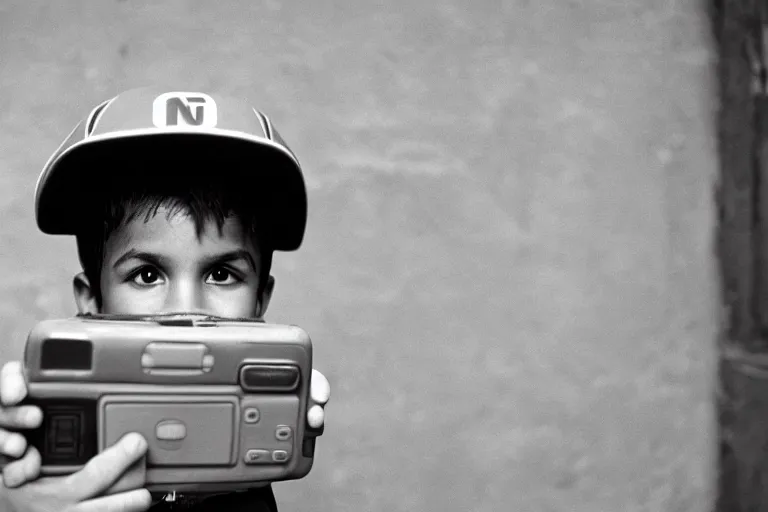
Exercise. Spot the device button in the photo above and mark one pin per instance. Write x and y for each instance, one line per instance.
(279, 455)
(176, 356)
(251, 415)
(283, 432)
(64, 434)
(270, 377)
(257, 457)
(171, 430)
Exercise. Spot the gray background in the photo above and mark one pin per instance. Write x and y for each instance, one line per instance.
(508, 273)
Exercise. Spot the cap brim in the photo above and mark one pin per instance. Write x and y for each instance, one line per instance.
(76, 177)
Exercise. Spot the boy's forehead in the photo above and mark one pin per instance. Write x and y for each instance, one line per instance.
(172, 227)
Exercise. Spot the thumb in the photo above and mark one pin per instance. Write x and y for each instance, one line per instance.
(134, 478)
(106, 468)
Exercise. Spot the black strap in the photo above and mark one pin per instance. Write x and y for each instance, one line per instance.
(252, 500)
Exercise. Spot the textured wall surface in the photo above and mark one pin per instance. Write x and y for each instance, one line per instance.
(508, 273)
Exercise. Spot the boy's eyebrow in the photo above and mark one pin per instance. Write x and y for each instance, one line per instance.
(141, 255)
(240, 254)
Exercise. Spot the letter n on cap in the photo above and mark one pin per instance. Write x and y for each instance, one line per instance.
(184, 109)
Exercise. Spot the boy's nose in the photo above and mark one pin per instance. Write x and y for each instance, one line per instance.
(185, 297)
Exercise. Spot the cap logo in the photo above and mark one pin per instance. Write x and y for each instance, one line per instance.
(184, 109)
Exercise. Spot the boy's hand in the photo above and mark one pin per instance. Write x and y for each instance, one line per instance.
(13, 445)
(320, 393)
(88, 490)
(72, 493)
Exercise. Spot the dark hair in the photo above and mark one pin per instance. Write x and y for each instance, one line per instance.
(125, 200)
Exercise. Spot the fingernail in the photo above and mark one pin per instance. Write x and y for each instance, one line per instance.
(11, 394)
(135, 444)
(33, 416)
(315, 416)
(14, 446)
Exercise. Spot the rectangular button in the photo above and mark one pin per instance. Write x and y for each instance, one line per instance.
(174, 355)
(269, 377)
(280, 456)
(257, 457)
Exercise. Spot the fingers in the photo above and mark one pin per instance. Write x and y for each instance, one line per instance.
(132, 501)
(21, 471)
(26, 416)
(12, 444)
(320, 392)
(102, 471)
(320, 388)
(13, 389)
(316, 416)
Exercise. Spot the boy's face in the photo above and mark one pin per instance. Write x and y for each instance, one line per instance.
(163, 266)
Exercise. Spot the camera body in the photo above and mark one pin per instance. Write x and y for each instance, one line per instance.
(222, 403)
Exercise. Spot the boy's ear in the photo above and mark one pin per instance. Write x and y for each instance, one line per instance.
(85, 298)
(265, 296)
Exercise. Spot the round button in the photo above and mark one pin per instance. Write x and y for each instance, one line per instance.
(283, 433)
(251, 415)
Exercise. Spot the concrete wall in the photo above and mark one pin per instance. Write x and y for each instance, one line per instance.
(508, 273)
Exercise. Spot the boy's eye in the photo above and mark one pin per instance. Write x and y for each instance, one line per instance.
(146, 276)
(222, 276)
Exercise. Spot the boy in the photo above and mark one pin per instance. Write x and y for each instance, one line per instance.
(177, 201)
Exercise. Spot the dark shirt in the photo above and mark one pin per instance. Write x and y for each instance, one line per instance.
(253, 500)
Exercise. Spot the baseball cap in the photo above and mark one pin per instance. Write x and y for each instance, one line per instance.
(174, 132)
